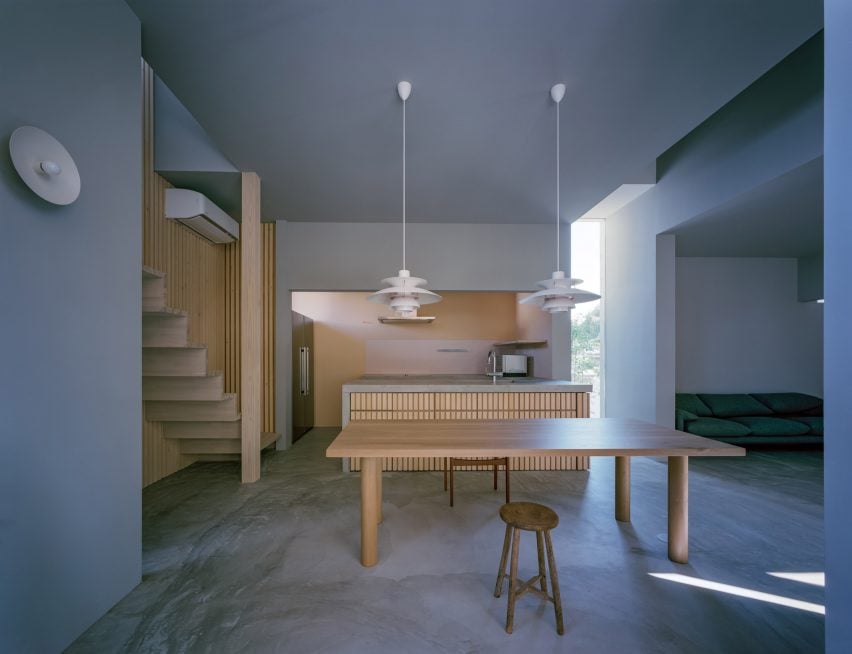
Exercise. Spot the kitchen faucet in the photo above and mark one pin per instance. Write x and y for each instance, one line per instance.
(492, 364)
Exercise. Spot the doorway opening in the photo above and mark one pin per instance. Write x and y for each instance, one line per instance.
(587, 319)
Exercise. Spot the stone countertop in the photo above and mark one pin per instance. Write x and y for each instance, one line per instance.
(459, 384)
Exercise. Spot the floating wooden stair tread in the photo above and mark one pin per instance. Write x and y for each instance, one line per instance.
(188, 360)
(164, 312)
(208, 387)
(193, 410)
(222, 445)
(165, 327)
(177, 388)
(153, 289)
(202, 429)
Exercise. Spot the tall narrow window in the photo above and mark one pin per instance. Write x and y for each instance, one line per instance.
(587, 319)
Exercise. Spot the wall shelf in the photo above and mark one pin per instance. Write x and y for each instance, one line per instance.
(521, 344)
(417, 320)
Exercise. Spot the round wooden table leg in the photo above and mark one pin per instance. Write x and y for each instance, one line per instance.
(370, 468)
(679, 509)
(379, 517)
(622, 488)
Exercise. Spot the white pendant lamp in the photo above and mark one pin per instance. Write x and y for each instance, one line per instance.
(559, 293)
(405, 293)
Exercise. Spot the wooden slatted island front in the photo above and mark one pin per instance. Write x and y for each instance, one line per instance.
(464, 397)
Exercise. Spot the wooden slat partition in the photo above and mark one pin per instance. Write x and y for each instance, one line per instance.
(232, 317)
(195, 282)
(232, 322)
(251, 327)
(203, 279)
(471, 406)
(268, 371)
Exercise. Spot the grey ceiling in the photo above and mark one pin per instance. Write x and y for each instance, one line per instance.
(303, 92)
(781, 218)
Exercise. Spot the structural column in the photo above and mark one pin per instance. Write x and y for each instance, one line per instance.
(251, 327)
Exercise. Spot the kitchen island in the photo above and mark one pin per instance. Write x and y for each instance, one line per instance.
(464, 397)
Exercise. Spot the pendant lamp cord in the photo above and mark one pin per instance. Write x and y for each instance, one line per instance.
(557, 188)
(403, 186)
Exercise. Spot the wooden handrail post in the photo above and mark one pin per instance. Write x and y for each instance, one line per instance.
(251, 330)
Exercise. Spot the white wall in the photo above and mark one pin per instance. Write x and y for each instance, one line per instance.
(665, 308)
(70, 283)
(838, 318)
(741, 329)
(630, 364)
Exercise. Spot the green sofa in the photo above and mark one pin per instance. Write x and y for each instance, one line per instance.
(770, 418)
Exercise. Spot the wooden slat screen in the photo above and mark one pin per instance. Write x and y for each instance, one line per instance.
(471, 406)
(203, 279)
(195, 282)
(268, 369)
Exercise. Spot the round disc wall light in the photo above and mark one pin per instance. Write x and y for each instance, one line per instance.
(45, 165)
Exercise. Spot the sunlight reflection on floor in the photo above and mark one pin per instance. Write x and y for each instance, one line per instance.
(742, 592)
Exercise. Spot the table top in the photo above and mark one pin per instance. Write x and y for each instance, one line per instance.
(556, 437)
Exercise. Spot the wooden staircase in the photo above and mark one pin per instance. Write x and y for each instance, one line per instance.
(177, 388)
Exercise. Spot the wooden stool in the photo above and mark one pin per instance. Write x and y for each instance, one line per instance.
(452, 464)
(540, 519)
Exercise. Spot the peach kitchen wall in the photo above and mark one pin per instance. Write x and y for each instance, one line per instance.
(349, 341)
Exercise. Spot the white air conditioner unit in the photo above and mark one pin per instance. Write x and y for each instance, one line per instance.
(198, 213)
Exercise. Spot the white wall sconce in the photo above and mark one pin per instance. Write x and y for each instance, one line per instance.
(45, 165)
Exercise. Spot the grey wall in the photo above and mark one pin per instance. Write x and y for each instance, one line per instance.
(810, 272)
(838, 317)
(741, 329)
(772, 127)
(452, 257)
(180, 143)
(70, 471)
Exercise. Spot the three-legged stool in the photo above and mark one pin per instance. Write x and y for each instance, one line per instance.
(528, 516)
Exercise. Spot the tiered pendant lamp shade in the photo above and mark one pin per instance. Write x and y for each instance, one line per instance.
(404, 293)
(559, 293)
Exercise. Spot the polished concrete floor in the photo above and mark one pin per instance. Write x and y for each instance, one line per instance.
(273, 566)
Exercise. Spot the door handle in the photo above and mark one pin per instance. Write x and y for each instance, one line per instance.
(307, 371)
(301, 371)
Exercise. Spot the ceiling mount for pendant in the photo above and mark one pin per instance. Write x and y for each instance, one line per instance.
(559, 293)
(404, 293)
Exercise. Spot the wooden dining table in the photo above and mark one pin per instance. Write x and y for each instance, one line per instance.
(616, 437)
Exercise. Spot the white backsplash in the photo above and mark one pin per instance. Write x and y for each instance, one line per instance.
(422, 357)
